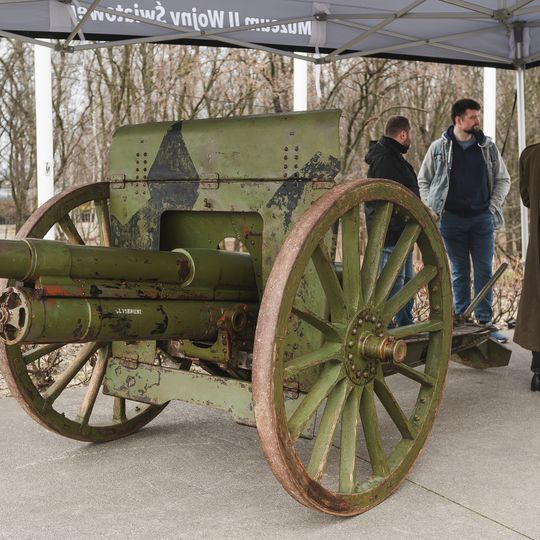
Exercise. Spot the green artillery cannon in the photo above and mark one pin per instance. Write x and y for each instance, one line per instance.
(291, 332)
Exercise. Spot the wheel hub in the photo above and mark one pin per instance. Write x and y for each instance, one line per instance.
(366, 346)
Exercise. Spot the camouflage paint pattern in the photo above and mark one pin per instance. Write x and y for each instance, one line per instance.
(191, 184)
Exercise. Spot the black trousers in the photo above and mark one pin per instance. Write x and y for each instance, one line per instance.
(535, 364)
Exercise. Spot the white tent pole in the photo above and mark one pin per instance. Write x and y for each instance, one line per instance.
(490, 102)
(522, 143)
(44, 123)
(300, 74)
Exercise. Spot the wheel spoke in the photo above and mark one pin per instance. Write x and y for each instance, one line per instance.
(327, 352)
(372, 257)
(415, 375)
(327, 428)
(329, 331)
(87, 405)
(348, 349)
(372, 432)
(38, 352)
(349, 435)
(408, 291)
(330, 284)
(330, 376)
(396, 261)
(104, 220)
(393, 409)
(71, 232)
(350, 232)
(119, 410)
(69, 373)
(416, 328)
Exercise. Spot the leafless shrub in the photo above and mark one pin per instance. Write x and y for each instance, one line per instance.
(506, 292)
(45, 370)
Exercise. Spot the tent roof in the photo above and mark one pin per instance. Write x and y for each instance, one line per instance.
(503, 34)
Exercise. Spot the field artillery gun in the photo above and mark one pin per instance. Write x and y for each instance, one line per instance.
(292, 334)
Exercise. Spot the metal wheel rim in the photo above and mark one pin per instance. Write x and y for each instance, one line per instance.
(12, 364)
(276, 305)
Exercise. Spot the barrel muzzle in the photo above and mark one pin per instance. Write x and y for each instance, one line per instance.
(14, 318)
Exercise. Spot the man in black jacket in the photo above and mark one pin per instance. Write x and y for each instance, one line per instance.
(385, 160)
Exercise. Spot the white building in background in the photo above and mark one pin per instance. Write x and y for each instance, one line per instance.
(7, 213)
(5, 193)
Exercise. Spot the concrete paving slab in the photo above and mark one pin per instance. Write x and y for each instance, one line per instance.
(194, 473)
(484, 451)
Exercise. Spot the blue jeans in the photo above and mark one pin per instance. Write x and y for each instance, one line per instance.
(405, 316)
(466, 239)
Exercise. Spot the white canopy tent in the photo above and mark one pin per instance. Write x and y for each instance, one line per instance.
(502, 33)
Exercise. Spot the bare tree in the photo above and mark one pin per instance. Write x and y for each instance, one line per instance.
(97, 91)
(17, 127)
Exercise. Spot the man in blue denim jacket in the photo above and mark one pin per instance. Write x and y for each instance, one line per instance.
(464, 180)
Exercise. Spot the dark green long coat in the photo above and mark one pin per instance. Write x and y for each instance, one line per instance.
(527, 332)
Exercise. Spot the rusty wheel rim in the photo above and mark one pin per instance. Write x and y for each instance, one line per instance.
(349, 381)
(42, 404)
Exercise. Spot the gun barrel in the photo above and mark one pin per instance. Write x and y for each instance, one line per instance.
(31, 260)
(25, 317)
(62, 302)
(15, 259)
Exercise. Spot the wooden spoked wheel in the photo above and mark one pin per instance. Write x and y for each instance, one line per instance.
(369, 427)
(49, 404)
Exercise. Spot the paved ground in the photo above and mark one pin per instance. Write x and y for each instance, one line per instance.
(194, 473)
